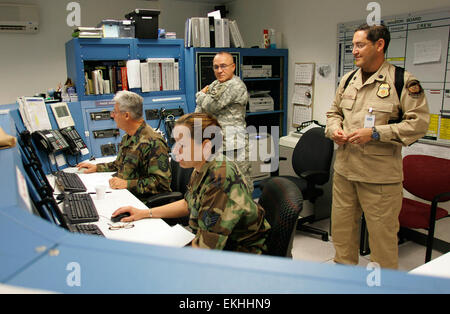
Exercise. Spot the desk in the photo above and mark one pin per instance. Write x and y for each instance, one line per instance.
(149, 231)
(439, 267)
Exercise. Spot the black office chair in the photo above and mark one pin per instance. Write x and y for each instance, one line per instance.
(311, 161)
(282, 203)
(179, 183)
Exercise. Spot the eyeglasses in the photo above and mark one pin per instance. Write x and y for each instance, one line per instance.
(359, 46)
(125, 225)
(222, 66)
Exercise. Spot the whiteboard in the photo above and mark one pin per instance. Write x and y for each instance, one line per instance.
(419, 43)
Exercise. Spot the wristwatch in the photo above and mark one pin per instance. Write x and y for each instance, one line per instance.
(375, 134)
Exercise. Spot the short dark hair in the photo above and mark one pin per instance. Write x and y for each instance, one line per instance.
(376, 32)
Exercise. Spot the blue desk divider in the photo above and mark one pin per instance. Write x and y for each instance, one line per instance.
(36, 253)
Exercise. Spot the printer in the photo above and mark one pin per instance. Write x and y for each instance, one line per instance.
(260, 101)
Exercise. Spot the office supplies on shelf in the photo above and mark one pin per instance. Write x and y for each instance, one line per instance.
(256, 70)
(69, 182)
(260, 102)
(80, 208)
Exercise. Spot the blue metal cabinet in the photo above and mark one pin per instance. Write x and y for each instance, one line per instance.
(277, 84)
(81, 52)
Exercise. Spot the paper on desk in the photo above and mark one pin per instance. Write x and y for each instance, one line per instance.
(91, 180)
(153, 231)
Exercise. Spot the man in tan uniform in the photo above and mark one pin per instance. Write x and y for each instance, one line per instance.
(370, 122)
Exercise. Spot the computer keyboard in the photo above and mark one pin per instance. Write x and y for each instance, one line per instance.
(80, 208)
(86, 229)
(69, 182)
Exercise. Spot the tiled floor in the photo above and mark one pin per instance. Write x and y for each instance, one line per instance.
(310, 247)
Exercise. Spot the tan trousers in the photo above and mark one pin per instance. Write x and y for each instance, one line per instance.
(381, 204)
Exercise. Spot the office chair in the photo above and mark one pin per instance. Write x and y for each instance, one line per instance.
(282, 203)
(178, 185)
(427, 178)
(311, 161)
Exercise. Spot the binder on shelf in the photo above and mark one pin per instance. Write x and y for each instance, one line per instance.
(145, 77)
(163, 74)
(235, 35)
(221, 33)
(205, 32)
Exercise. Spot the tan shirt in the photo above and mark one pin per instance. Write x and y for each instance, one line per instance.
(377, 161)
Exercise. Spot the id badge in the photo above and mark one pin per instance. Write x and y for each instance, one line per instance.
(369, 121)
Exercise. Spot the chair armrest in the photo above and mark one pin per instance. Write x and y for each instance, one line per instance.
(315, 175)
(163, 198)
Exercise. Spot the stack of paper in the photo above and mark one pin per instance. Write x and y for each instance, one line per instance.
(88, 32)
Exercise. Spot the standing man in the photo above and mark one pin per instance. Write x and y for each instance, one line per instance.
(370, 122)
(142, 163)
(226, 99)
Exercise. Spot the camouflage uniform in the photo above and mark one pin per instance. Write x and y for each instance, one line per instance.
(222, 212)
(143, 160)
(227, 102)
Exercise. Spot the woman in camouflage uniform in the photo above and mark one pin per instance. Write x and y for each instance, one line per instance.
(222, 212)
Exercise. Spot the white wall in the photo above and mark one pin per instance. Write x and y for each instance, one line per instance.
(309, 31)
(33, 63)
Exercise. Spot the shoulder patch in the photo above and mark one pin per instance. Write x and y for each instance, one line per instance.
(414, 88)
(163, 163)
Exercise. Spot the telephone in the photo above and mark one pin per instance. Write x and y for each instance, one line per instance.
(73, 138)
(51, 141)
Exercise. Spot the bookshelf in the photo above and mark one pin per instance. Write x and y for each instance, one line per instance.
(86, 55)
(199, 73)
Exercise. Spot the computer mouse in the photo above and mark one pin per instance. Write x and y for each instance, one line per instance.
(119, 217)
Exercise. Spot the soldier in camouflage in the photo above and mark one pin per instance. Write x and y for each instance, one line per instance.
(142, 163)
(226, 99)
(223, 214)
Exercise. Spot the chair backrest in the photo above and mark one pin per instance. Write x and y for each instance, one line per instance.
(282, 202)
(313, 152)
(180, 177)
(426, 176)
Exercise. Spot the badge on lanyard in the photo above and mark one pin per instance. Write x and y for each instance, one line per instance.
(383, 90)
(369, 120)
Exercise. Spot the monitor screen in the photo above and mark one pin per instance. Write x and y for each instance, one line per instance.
(61, 111)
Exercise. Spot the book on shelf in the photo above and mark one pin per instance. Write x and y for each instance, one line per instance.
(152, 74)
(205, 32)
